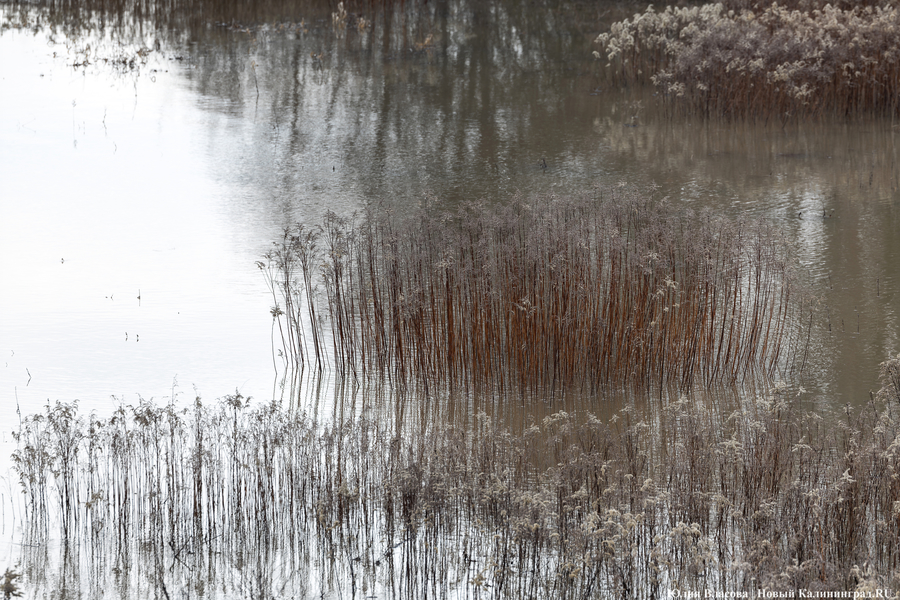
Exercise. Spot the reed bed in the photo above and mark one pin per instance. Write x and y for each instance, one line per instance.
(537, 294)
(818, 60)
(235, 499)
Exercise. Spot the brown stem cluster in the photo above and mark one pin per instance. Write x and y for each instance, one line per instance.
(541, 294)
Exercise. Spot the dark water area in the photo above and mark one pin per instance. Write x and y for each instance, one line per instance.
(152, 153)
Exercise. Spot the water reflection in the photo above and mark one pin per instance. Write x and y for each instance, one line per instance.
(289, 116)
(346, 119)
(483, 108)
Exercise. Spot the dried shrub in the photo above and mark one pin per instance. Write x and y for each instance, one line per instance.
(776, 62)
(890, 380)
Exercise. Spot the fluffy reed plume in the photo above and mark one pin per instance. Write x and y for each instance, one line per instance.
(776, 62)
(260, 502)
(890, 377)
(538, 294)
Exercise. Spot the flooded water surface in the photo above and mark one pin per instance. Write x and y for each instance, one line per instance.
(148, 162)
(136, 166)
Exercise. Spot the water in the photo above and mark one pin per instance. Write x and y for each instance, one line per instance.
(122, 259)
(171, 179)
(168, 180)
(137, 191)
(168, 177)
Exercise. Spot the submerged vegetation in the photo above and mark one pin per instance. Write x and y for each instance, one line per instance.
(266, 502)
(776, 61)
(540, 294)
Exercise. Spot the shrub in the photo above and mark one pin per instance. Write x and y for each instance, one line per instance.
(777, 62)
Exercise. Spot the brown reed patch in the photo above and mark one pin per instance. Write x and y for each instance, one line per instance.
(538, 294)
(775, 62)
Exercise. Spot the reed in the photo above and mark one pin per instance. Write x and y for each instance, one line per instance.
(782, 62)
(890, 377)
(236, 498)
(539, 294)
(180, 19)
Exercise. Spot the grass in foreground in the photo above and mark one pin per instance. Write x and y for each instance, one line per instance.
(263, 501)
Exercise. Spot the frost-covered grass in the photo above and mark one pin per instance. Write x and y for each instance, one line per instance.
(778, 62)
(239, 500)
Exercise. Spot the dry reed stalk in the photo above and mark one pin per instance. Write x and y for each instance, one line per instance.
(541, 294)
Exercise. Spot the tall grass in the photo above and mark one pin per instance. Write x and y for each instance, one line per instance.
(259, 501)
(776, 62)
(540, 294)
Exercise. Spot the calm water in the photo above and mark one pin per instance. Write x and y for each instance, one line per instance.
(137, 196)
(138, 190)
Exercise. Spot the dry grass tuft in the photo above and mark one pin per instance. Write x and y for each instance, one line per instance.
(261, 501)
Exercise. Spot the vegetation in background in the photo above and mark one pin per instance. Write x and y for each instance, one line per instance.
(186, 19)
(771, 61)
